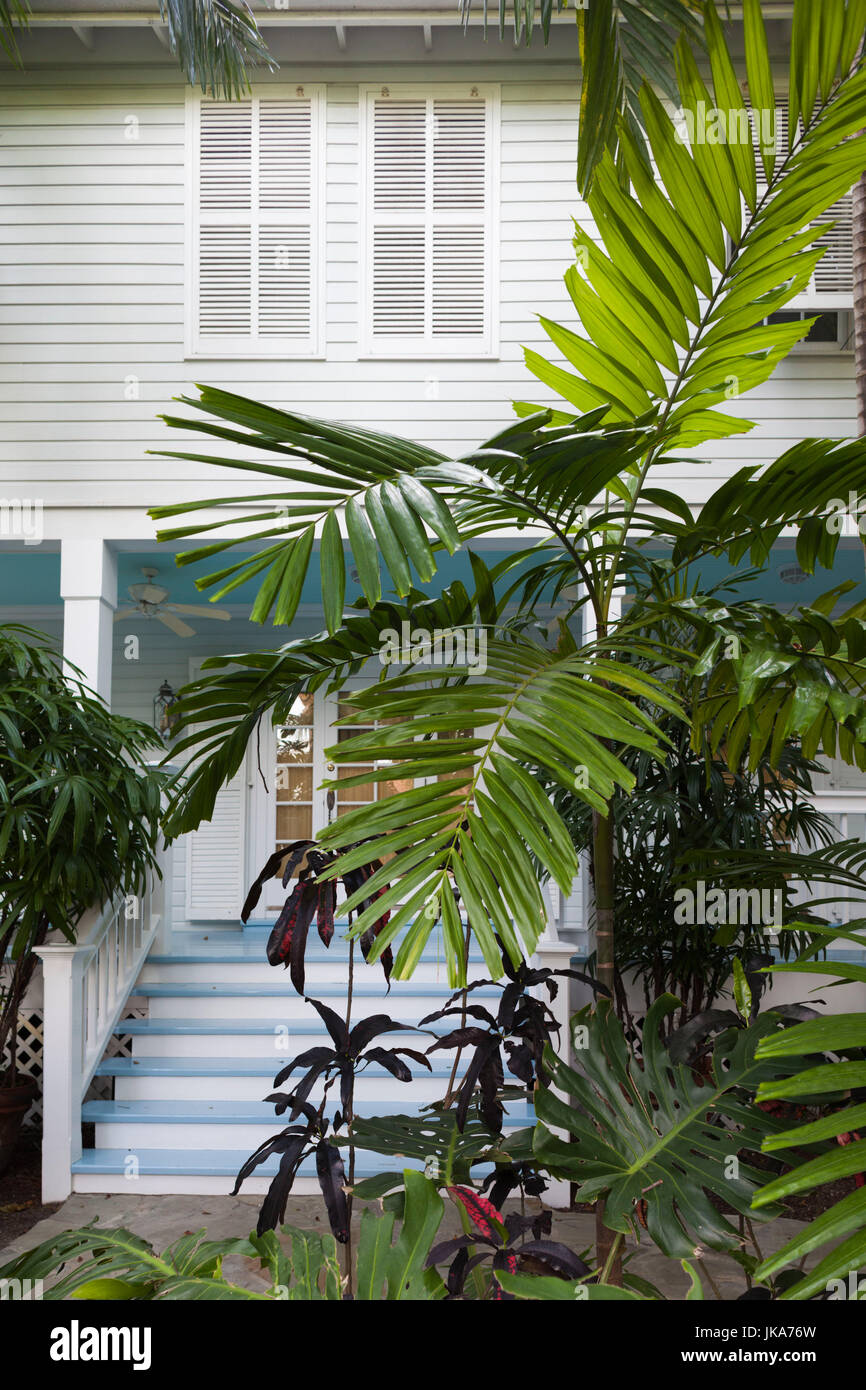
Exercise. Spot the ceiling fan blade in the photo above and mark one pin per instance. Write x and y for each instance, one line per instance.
(182, 629)
(127, 613)
(196, 611)
(148, 593)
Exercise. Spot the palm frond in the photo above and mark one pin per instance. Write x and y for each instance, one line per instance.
(14, 16)
(216, 43)
(623, 43)
(843, 1037)
(673, 303)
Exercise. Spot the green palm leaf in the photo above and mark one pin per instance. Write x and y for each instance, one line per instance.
(623, 43)
(14, 16)
(845, 1221)
(705, 228)
(479, 816)
(215, 42)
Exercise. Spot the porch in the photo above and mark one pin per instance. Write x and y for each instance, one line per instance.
(181, 1108)
(164, 1025)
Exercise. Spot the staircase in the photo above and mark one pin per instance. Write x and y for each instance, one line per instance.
(188, 1108)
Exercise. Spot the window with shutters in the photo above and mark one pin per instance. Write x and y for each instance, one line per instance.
(256, 225)
(430, 189)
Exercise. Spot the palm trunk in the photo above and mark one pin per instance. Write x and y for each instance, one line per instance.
(603, 875)
(859, 217)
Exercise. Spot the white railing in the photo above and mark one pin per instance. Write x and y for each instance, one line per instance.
(85, 987)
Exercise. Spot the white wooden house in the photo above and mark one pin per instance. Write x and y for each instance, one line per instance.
(369, 236)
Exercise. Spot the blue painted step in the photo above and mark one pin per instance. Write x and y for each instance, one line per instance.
(248, 1112)
(220, 1163)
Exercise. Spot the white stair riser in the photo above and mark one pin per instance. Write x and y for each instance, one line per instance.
(279, 1046)
(240, 1137)
(259, 972)
(291, 1006)
(147, 1185)
(367, 1088)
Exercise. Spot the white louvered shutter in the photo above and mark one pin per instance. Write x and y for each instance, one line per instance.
(216, 852)
(832, 285)
(429, 218)
(257, 226)
(215, 858)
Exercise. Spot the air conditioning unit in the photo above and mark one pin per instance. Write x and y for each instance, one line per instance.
(832, 332)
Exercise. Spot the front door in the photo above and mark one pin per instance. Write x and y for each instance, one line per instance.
(287, 766)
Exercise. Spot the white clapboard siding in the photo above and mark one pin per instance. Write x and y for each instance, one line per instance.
(256, 212)
(430, 210)
(95, 269)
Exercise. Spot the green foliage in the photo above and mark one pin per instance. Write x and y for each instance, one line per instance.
(623, 43)
(690, 818)
(14, 16)
(705, 234)
(116, 1264)
(651, 1137)
(843, 1036)
(536, 1286)
(215, 42)
(435, 1137)
(79, 806)
(119, 1265)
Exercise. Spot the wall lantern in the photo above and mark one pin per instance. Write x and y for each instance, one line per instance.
(164, 717)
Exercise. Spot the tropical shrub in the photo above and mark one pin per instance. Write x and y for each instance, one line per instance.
(79, 809)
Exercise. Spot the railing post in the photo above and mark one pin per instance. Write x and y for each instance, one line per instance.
(161, 895)
(553, 954)
(62, 967)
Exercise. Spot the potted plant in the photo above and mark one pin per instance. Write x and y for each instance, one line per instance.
(79, 823)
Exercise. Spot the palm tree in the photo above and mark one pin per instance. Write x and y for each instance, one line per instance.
(674, 305)
(216, 42)
(581, 475)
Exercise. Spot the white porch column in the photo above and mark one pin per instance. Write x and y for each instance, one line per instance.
(88, 587)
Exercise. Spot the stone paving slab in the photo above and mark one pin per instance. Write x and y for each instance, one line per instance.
(161, 1220)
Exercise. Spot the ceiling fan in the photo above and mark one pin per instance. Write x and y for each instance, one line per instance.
(149, 600)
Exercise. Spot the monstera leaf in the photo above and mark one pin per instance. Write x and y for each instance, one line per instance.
(435, 1141)
(654, 1138)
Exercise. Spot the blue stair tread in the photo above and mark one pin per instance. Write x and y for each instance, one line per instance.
(399, 990)
(219, 1163)
(227, 1066)
(247, 1112)
(266, 1027)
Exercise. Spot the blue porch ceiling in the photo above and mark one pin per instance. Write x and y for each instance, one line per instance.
(32, 577)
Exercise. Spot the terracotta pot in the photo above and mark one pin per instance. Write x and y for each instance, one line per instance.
(15, 1101)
